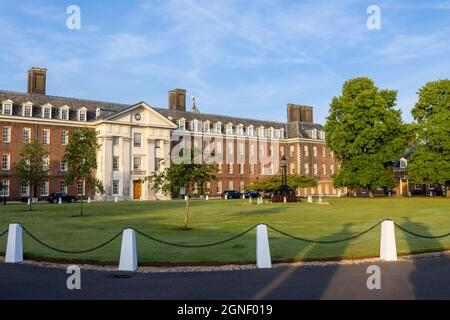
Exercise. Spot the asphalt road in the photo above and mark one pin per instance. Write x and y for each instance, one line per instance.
(425, 278)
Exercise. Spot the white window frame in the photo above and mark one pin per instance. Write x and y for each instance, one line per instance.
(116, 163)
(82, 114)
(137, 143)
(7, 108)
(47, 108)
(45, 186)
(25, 185)
(6, 138)
(27, 107)
(115, 187)
(64, 133)
(182, 124)
(46, 162)
(6, 165)
(5, 191)
(62, 186)
(80, 183)
(29, 135)
(64, 113)
(135, 162)
(63, 165)
(46, 141)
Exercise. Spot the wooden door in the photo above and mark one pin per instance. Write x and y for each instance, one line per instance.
(137, 187)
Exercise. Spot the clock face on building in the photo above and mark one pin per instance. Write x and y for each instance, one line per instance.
(138, 117)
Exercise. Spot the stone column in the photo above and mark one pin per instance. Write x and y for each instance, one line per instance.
(151, 166)
(126, 167)
(108, 170)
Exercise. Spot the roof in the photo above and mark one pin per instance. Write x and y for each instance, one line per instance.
(107, 109)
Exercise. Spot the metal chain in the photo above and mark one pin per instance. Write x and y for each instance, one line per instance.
(325, 241)
(4, 232)
(421, 235)
(68, 251)
(198, 245)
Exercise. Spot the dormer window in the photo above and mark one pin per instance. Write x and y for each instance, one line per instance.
(64, 113)
(98, 113)
(261, 132)
(230, 128)
(250, 131)
(218, 127)
(27, 109)
(182, 124)
(271, 132)
(403, 163)
(82, 114)
(240, 129)
(7, 108)
(281, 133)
(47, 111)
(195, 125)
(206, 126)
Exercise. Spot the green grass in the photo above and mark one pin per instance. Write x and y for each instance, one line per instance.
(215, 220)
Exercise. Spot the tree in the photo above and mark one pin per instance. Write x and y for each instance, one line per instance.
(182, 176)
(32, 166)
(367, 135)
(81, 158)
(430, 163)
(273, 183)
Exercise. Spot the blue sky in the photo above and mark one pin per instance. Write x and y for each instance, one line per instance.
(241, 58)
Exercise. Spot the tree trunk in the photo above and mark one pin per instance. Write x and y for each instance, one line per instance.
(31, 201)
(81, 211)
(447, 191)
(186, 212)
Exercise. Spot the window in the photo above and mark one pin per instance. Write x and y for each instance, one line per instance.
(137, 140)
(332, 169)
(63, 165)
(64, 136)
(137, 161)
(62, 186)
(241, 168)
(252, 149)
(230, 128)
(252, 169)
(315, 151)
(323, 152)
(206, 126)
(115, 141)
(115, 187)
(306, 168)
(24, 189)
(219, 186)
(315, 168)
(46, 162)
(44, 188)
(230, 185)
(431, 186)
(26, 135)
(332, 154)
(182, 124)
(403, 163)
(64, 113)
(5, 188)
(250, 131)
(218, 127)
(27, 110)
(418, 187)
(157, 143)
(271, 169)
(306, 151)
(5, 162)
(230, 169)
(80, 188)
(261, 169)
(82, 115)
(324, 169)
(115, 163)
(6, 134)
(45, 136)
(7, 109)
(230, 148)
(292, 168)
(241, 149)
(47, 112)
(291, 151)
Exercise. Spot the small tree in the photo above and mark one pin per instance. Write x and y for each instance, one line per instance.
(273, 183)
(182, 176)
(32, 167)
(81, 158)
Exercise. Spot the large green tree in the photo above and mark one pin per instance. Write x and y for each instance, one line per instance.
(80, 155)
(182, 175)
(430, 163)
(32, 167)
(367, 134)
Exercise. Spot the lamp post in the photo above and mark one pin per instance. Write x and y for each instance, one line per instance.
(283, 175)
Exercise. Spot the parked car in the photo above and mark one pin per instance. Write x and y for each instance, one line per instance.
(54, 197)
(252, 194)
(232, 194)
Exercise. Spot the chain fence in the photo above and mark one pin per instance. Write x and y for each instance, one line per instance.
(421, 235)
(4, 232)
(324, 241)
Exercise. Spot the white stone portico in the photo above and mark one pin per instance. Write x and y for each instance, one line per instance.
(134, 143)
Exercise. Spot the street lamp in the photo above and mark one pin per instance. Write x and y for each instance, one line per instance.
(283, 175)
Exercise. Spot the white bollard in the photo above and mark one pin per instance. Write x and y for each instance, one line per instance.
(243, 196)
(59, 200)
(226, 197)
(284, 200)
(206, 197)
(310, 200)
(29, 201)
(128, 253)
(115, 199)
(263, 259)
(14, 249)
(388, 248)
(431, 193)
(89, 200)
(185, 198)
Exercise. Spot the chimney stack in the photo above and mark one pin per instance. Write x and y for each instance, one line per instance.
(177, 99)
(297, 112)
(36, 80)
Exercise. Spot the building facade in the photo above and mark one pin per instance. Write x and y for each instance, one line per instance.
(139, 139)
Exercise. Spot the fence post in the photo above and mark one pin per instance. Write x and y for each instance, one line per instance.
(14, 249)
(128, 253)
(388, 248)
(263, 259)
(115, 199)
(59, 200)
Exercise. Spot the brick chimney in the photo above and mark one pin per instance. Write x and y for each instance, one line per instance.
(36, 80)
(297, 112)
(177, 99)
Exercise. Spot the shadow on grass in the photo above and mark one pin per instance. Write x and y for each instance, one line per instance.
(258, 211)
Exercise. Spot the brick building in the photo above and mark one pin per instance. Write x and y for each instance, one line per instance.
(139, 139)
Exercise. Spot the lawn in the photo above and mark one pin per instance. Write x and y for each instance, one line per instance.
(216, 220)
